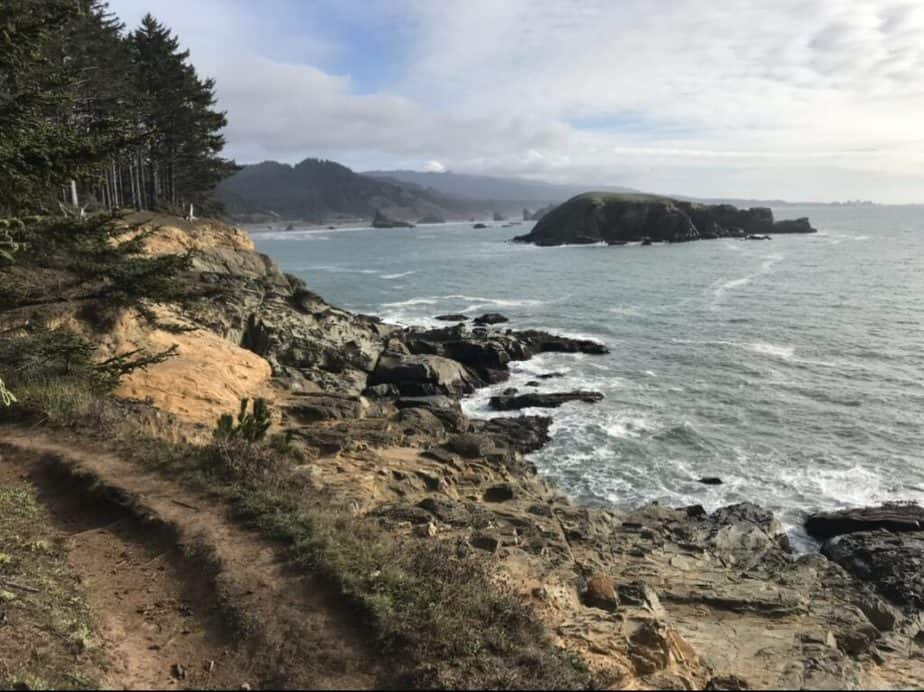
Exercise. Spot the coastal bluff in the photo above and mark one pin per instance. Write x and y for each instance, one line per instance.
(618, 218)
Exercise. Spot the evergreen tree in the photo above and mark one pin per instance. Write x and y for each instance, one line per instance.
(91, 116)
(185, 128)
(39, 150)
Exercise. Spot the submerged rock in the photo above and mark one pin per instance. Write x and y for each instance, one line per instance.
(455, 317)
(491, 318)
(510, 402)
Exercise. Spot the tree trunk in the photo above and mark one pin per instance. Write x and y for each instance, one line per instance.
(74, 199)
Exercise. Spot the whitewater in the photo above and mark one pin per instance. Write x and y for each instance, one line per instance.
(788, 368)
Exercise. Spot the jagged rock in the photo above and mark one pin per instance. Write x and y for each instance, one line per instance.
(640, 594)
(310, 408)
(891, 516)
(525, 434)
(890, 562)
(491, 318)
(536, 400)
(470, 445)
(654, 646)
(381, 220)
(600, 593)
(415, 375)
(446, 408)
(419, 422)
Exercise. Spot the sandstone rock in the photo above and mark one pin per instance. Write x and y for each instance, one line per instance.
(640, 594)
(654, 646)
(600, 593)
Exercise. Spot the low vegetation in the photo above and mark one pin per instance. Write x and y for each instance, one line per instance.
(430, 606)
(46, 630)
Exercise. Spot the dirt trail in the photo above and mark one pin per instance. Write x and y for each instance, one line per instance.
(164, 577)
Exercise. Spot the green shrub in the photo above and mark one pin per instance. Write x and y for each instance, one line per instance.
(251, 427)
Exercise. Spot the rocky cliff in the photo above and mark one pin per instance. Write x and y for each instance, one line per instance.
(651, 598)
(596, 217)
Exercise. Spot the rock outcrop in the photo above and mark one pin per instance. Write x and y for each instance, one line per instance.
(650, 598)
(883, 546)
(382, 221)
(600, 217)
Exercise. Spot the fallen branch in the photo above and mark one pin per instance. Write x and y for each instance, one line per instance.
(21, 587)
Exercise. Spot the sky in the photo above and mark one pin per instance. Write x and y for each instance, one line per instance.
(811, 100)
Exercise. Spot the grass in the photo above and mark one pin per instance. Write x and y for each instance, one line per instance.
(46, 636)
(430, 605)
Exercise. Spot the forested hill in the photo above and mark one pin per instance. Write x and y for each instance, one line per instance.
(98, 118)
(318, 190)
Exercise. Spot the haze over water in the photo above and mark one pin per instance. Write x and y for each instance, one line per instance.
(789, 368)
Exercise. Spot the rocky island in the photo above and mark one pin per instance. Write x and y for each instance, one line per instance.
(618, 218)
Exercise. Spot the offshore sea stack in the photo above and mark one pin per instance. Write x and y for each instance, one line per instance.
(595, 217)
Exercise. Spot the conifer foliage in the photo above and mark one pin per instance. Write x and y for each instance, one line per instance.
(95, 117)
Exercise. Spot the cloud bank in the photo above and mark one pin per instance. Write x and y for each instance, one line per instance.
(794, 100)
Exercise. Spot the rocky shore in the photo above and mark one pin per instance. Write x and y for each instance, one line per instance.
(651, 598)
(616, 219)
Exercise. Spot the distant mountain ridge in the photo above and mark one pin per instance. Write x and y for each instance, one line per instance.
(507, 192)
(320, 190)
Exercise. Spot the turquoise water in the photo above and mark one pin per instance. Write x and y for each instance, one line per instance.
(789, 368)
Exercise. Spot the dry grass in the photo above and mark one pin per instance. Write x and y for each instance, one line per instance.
(46, 632)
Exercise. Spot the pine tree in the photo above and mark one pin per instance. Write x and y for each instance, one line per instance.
(183, 158)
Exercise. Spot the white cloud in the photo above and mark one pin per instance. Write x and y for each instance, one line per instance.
(788, 99)
(434, 167)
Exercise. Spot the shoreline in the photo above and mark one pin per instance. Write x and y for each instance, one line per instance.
(651, 597)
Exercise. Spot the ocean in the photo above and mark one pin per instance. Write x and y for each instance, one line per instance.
(790, 368)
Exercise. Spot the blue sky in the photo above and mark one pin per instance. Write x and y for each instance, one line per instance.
(798, 100)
